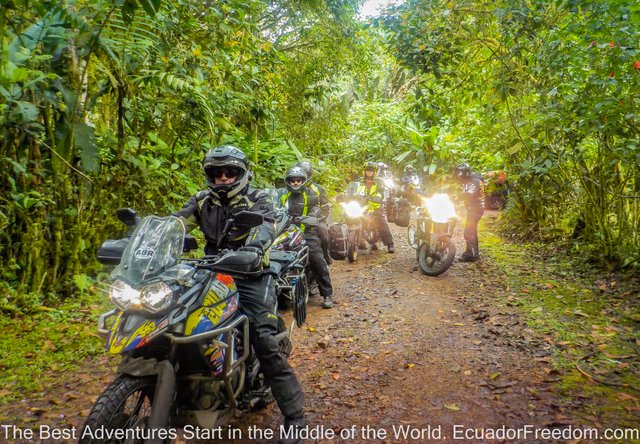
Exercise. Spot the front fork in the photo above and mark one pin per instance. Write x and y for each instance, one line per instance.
(163, 397)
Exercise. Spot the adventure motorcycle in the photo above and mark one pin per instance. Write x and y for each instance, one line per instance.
(289, 254)
(186, 355)
(496, 189)
(359, 223)
(390, 198)
(431, 234)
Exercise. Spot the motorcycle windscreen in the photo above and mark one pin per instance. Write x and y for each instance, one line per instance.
(352, 189)
(155, 246)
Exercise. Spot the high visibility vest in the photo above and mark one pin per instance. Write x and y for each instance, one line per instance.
(362, 190)
(305, 206)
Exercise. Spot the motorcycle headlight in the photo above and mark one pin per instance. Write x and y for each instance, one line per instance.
(123, 295)
(440, 208)
(353, 209)
(156, 297)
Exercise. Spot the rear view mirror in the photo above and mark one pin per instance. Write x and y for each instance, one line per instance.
(110, 252)
(127, 216)
(190, 243)
(248, 219)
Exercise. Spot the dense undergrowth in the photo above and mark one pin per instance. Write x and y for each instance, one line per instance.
(586, 314)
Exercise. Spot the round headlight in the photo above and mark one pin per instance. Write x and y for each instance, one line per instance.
(156, 297)
(123, 295)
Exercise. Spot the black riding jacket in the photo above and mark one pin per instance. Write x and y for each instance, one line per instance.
(473, 194)
(306, 203)
(210, 214)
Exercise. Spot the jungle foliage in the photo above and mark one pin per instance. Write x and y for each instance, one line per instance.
(547, 90)
(112, 103)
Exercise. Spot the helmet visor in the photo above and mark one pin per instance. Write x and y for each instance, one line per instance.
(295, 180)
(220, 172)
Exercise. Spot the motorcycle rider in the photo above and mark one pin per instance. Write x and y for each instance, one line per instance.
(325, 209)
(227, 173)
(410, 185)
(373, 190)
(473, 197)
(302, 200)
(410, 177)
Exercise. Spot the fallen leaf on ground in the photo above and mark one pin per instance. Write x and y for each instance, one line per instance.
(452, 407)
(627, 397)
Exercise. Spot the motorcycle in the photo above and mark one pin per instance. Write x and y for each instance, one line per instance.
(496, 189)
(186, 355)
(431, 234)
(289, 253)
(359, 223)
(390, 198)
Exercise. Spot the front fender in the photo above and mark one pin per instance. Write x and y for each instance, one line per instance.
(138, 366)
(436, 237)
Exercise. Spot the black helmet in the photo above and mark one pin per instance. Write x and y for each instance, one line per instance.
(463, 170)
(370, 166)
(307, 168)
(230, 160)
(296, 172)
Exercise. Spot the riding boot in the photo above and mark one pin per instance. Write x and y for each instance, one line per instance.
(292, 427)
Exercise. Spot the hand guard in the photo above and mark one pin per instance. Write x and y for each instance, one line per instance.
(253, 249)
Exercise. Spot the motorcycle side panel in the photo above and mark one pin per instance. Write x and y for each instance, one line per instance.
(220, 302)
(120, 340)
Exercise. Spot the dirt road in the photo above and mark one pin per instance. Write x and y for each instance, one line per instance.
(403, 349)
(399, 352)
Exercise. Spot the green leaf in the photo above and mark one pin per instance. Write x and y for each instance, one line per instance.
(150, 6)
(24, 112)
(85, 144)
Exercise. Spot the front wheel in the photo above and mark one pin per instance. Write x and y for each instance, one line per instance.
(300, 299)
(437, 262)
(125, 404)
(352, 246)
(391, 211)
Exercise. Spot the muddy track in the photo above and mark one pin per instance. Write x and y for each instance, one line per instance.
(398, 349)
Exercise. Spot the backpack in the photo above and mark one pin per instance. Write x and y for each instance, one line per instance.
(338, 234)
(403, 214)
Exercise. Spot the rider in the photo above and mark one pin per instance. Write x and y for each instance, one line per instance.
(227, 175)
(373, 190)
(473, 196)
(302, 200)
(410, 177)
(325, 209)
(410, 185)
(383, 170)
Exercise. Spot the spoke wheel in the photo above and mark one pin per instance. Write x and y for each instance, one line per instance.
(125, 404)
(436, 263)
(300, 299)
